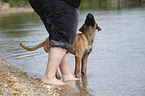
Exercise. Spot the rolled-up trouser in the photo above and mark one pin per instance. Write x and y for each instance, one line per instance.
(60, 20)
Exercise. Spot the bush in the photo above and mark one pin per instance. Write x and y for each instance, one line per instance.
(16, 3)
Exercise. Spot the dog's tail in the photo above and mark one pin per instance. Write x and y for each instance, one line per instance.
(33, 48)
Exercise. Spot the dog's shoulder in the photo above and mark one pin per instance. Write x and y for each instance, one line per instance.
(81, 36)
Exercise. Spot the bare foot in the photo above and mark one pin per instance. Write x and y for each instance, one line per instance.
(70, 77)
(52, 81)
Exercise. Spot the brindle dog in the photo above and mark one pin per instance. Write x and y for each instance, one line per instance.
(82, 45)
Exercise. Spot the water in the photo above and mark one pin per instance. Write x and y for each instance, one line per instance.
(116, 66)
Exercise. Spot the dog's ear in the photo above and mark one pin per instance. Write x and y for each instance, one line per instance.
(82, 29)
(97, 27)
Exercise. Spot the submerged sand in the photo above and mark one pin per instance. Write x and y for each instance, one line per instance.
(13, 81)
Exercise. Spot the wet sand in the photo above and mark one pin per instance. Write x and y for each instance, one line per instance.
(14, 81)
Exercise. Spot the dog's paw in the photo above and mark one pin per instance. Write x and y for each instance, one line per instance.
(77, 75)
(83, 73)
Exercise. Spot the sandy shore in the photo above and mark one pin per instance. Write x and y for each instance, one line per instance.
(15, 82)
(15, 10)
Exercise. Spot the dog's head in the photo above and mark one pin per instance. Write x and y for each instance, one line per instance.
(90, 22)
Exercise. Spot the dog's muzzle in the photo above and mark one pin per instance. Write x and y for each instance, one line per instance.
(90, 21)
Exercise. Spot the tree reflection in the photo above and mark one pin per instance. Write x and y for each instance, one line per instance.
(17, 24)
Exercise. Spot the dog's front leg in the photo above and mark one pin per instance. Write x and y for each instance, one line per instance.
(77, 66)
(84, 64)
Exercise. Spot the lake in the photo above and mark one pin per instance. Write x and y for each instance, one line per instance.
(116, 66)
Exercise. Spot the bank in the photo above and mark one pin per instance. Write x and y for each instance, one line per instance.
(15, 82)
(6, 9)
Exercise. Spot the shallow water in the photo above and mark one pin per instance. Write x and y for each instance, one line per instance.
(116, 66)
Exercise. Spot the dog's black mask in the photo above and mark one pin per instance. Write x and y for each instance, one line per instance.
(90, 21)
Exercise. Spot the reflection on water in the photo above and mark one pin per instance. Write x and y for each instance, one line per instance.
(115, 66)
(76, 88)
(82, 86)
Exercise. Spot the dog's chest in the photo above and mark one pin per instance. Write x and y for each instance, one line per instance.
(88, 50)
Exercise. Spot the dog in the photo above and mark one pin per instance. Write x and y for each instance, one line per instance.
(82, 46)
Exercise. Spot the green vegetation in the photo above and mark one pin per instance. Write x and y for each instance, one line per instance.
(85, 4)
(109, 4)
(17, 3)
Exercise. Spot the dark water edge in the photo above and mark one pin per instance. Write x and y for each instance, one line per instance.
(115, 66)
(110, 5)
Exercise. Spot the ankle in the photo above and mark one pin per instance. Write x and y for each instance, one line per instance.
(67, 75)
(69, 78)
(48, 77)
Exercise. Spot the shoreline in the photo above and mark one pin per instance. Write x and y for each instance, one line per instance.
(14, 81)
(15, 10)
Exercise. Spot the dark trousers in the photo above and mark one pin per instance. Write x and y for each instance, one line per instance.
(60, 20)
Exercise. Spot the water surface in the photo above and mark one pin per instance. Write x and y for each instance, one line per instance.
(116, 66)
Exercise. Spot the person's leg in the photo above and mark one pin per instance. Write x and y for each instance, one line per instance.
(65, 69)
(56, 55)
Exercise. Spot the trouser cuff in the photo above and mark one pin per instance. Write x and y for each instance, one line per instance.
(61, 44)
